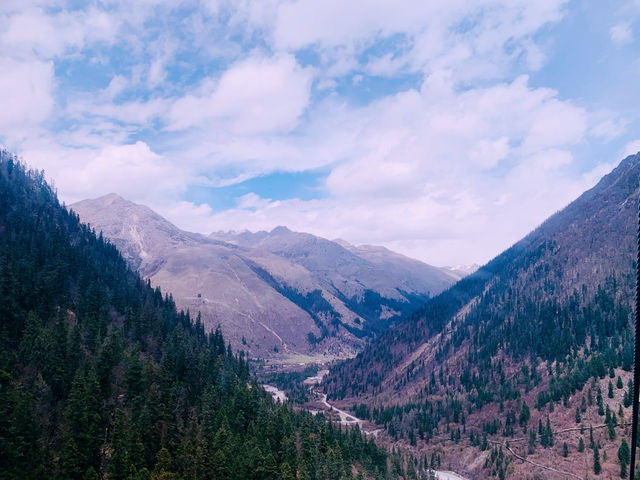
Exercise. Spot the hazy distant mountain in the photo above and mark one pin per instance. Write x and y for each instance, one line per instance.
(277, 293)
(463, 270)
(546, 323)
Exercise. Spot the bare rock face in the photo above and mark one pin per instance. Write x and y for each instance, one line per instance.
(280, 294)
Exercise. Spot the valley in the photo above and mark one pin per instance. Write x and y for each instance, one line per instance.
(500, 375)
(522, 369)
(319, 404)
(319, 240)
(281, 296)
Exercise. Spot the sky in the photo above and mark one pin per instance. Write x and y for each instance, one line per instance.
(444, 130)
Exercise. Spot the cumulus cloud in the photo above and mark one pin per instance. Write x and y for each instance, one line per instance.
(256, 95)
(33, 31)
(419, 172)
(132, 170)
(621, 34)
(213, 93)
(438, 35)
(26, 94)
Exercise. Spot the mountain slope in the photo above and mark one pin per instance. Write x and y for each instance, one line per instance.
(542, 324)
(101, 377)
(276, 294)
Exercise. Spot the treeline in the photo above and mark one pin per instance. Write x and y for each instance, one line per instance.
(101, 377)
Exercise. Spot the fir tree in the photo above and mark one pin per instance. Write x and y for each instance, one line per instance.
(624, 457)
(596, 461)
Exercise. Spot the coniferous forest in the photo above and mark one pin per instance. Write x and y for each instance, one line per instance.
(101, 377)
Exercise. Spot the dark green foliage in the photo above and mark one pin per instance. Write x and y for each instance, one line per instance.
(610, 390)
(497, 463)
(101, 377)
(597, 468)
(624, 456)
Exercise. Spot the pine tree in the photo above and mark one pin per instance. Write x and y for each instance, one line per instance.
(581, 445)
(623, 457)
(565, 450)
(600, 403)
(610, 391)
(596, 461)
(83, 433)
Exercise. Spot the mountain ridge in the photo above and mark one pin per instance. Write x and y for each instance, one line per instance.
(278, 294)
(542, 323)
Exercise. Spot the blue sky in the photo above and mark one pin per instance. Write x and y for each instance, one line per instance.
(443, 130)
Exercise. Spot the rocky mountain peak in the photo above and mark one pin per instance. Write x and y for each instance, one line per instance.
(277, 293)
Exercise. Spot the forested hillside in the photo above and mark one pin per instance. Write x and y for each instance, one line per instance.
(101, 377)
(535, 338)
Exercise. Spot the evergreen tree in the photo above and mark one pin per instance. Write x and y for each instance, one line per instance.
(624, 455)
(596, 461)
(610, 390)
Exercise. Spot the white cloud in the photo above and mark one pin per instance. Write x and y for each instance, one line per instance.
(424, 170)
(621, 34)
(632, 148)
(609, 128)
(256, 95)
(188, 215)
(26, 95)
(133, 171)
(438, 35)
(33, 31)
(416, 171)
(116, 86)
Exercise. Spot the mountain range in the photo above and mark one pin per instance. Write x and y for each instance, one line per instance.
(503, 373)
(286, 295)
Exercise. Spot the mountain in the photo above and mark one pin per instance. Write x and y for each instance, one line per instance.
(101, 377)
(282, 294)
(535, 338)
